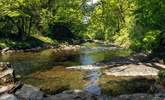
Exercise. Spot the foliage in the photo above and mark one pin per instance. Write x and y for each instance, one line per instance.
(138, 24)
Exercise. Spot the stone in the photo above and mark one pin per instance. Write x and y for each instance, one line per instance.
(8, 97)
(7, 88)
(72, 95)
(6, 73)
(29, 92)
(132, 70)
(5, 50)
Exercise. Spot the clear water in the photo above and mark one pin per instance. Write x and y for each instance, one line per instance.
(29, 62)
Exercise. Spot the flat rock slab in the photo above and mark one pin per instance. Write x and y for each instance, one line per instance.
(132, 70)
(86, 67)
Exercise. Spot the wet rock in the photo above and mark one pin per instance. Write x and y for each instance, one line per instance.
(29, 92)
(93, 88)
(8, 97)
(72, 95)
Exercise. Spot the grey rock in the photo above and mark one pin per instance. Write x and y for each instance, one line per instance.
(8, 97)
(132, 70)
(72, 95)
(30, 93)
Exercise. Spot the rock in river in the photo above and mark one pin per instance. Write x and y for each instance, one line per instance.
(132, 70)
(29, 92)
(8, 97)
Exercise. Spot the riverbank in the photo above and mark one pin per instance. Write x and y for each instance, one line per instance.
(32, 43)
(57, 48)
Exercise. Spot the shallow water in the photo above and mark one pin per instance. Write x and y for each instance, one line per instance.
(28, 63)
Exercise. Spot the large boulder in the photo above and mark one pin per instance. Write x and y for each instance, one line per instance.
(29, 92)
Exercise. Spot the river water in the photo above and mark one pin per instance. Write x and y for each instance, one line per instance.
(90, 53)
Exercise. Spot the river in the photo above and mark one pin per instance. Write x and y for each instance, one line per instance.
(27, 63)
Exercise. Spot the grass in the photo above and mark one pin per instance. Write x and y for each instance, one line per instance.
(125, 85)
(57, 80)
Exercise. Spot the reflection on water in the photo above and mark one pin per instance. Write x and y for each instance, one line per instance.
(29, 62)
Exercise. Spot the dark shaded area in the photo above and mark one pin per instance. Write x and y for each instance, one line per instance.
(61, 32)
(16, 43)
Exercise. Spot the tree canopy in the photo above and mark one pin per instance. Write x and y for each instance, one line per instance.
(138, 24)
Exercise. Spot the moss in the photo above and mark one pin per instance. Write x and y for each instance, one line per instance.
(57, 80)
(125, 85)
(45, 39)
